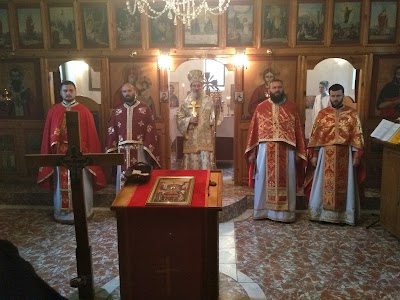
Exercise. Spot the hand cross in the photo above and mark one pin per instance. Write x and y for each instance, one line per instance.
(193, 107)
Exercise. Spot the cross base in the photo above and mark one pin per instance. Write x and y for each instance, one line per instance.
(99, 294)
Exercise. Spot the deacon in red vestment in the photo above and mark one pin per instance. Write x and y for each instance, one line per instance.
(132, 131)
(276, 151)
(55, 141)
(334, 169)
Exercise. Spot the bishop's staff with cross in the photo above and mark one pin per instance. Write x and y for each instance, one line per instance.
(197, 118)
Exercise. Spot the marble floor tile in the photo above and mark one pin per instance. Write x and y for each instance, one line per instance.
(258, 259)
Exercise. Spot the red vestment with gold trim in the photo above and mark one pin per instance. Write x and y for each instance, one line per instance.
(281, 128)
(335, 130)
(55, 141)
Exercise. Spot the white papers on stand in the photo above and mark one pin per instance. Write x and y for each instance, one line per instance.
(385, 130)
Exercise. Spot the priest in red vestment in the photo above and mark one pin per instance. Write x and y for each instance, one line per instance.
(276, 153)
(334, 168)
(132, 131)
(55, 141)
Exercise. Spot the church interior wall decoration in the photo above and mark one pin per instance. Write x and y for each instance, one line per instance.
(94, 80)
(173, 94)
(5, 37)
(202, 32)
(20, 79)
(275, 16)
(29, 21)
(240, 25)
(283, 68)
(62, 26)
(310, 22)
(7, 153)
(384, 72)
(128, 28)
(142, 75)
(383, 22)
(162, 32)
(95, 25)
(35, 23)
(346, 25)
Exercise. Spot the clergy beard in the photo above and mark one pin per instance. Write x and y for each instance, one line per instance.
(197, 95)
(277, 97)
(337, 105)
(129, 100)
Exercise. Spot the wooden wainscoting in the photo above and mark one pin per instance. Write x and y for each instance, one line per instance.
(17, 138)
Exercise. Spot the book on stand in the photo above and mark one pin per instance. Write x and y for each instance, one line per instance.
(387, 131)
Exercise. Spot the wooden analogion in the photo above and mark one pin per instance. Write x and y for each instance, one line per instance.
(169, 251)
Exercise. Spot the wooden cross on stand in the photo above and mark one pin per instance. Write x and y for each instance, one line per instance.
(75, 161)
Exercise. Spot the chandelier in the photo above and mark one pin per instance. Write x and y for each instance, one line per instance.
(185, 10)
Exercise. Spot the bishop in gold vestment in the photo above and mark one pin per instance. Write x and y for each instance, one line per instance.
(334, 171)
(196, 120)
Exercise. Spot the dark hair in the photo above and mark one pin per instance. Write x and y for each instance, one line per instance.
(336, 87)
(67, 82)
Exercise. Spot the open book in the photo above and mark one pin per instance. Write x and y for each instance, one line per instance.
(387, 131)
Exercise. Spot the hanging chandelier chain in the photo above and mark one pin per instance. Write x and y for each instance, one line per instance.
(185, 10)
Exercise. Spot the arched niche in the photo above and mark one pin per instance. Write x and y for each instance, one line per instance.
(88, 80)
(333, 70)
(179, 83)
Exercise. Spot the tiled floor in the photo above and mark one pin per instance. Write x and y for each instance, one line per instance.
(258, 259)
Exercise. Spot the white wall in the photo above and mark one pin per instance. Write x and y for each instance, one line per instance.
(78, 72)
(334, 70)
(180, 75)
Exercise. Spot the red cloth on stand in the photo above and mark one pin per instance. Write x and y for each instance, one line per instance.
(200, 191)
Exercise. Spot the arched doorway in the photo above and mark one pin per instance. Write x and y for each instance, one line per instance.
(333, 70)
(179, 88)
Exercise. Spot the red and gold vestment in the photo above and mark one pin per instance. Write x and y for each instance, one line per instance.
(280, 127)
(336, 130)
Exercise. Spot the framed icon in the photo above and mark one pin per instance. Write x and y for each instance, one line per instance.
(240, 25)
(310, 22)
(29, 20)
(202, 32)
(275, 22)
(95, 25)
(62, 26)
(162, 32)
(172, 190)
(346, 22)
(128, 28)
(383, 22)
(5, 37)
